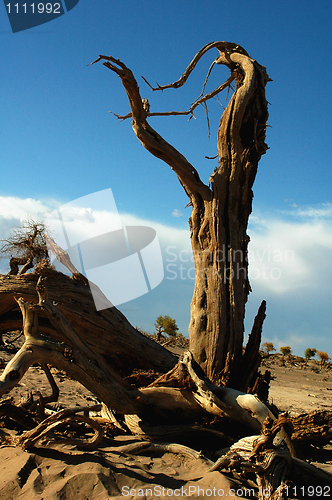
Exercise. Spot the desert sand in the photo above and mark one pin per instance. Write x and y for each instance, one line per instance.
(109, 471)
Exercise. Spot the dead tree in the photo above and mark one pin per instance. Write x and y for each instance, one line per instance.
(99, 348)
(107, 333)
(26, 246)
(100, 365)
(166, 408)
(220, 212)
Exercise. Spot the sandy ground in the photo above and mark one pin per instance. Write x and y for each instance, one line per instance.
(66, 472)
(298, 389)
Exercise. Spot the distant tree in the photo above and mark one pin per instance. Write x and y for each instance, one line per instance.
(165, 324)
(285, 351)
(26, 246)
(309, 353)
(323, 357)
(268, 347)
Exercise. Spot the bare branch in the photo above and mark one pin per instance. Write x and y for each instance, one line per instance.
(30, 438)
(162, 113)
(151, 140)
(206, 79)
(109, 58)
(26, 242)
(221, 46)
(207, 119)
(199, 100)
(60, 254)
(214, 92)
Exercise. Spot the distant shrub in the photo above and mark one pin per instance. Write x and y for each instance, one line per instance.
(285, 351)
(323, 357)
(309, 353)
(166, 324)
(268, 347)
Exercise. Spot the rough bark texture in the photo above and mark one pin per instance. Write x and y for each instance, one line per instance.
(277, 471)
(61, 346)
(314, 427)
(220, 212)
(98, 348)
(107, 332)
(219, 227)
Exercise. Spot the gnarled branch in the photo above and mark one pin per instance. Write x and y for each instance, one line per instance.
(151, 140)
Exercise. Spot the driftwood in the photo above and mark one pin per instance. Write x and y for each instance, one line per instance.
(147, 446)
(29, 438)
(315, 427)
(184, 388)
(183, 393)
(261, 463)
(277, 473)
(74, 356)
(107, 333)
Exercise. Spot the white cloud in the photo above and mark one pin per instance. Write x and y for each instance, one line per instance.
(176, 213)
(19, 209)
(284, 255)
(290, 266)
(287, 256)
(323, 210)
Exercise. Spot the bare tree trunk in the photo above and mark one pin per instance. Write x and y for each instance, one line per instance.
(15, 262)
(220, 213)
(219, 228)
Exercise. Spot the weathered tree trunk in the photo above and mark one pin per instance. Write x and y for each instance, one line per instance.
(15, 262)
(107, 332)
(98, 348)
(189, 395)
(219, 227)
(220, 213)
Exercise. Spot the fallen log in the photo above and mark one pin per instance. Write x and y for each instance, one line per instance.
(277, 473)
(107, 333)
(74, 355)
(182, 394)
(313, 427)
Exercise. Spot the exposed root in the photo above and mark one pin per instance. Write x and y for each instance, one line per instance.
(20, 415)
(267, 458)
(148, 447)
(68, 416)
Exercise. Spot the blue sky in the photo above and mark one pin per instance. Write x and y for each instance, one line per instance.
(60, 143)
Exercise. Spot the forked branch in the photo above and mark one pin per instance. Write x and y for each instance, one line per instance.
(241, 67)
(196, 103)
(221, 46)
(151, 140)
